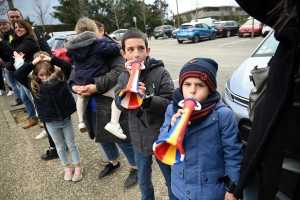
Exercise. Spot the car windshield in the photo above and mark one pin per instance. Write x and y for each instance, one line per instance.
(249, 22)
(158, 28)
(58, 43)
(267, 48)
(218, 25)
(186, 26)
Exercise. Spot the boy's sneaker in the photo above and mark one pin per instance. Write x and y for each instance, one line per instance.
(116, 130)
(108, 169)
(42, 135)
(132, 179)
(1, 92)
(68, 173)
(77, 174)
(82, 127)
(10, 93)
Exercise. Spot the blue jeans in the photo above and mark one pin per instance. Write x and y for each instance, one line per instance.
(63, 135)
(13, 84)
(145, 173)
(252, 189)
(111, 149)
(27, 100)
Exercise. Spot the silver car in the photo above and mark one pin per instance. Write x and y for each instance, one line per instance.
(117, 35)
(238, 86)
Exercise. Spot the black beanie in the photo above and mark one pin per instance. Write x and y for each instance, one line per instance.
(203, 68)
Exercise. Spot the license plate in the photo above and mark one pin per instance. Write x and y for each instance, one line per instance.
(183, 38)
(156, 34)
(183, 32)
(246, 34)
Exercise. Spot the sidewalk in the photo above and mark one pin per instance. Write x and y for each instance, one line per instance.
(24, 175)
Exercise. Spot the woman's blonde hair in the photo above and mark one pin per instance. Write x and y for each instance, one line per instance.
(285, 10)
(86, 24)
(49, 68)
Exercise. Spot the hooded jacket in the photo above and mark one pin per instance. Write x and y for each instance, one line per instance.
(55, 101)
(144, 129)
(88, 53)
(212, 151)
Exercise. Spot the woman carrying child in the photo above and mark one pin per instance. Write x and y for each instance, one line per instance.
(55, 105)
(88, 54)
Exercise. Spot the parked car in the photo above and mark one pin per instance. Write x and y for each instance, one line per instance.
(236, 97)
(161, 30)
(226, 28)
(52, 39)
(265, 30)
(174, 33)
(208, 20)
(246, 29)
(58, 49)
(117, 34)
(53, 34)
(194, 31)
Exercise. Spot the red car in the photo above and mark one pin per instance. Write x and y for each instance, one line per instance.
(246, 29)
(58, 49)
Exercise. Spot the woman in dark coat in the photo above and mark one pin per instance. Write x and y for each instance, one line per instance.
(276, 124)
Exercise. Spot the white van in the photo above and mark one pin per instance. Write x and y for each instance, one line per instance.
(209, 21)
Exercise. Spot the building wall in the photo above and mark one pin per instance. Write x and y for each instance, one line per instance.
(217, 13)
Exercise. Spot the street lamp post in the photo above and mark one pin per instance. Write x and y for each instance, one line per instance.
(134, 20)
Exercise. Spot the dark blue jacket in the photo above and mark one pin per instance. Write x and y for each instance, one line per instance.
(88, 53)
(55, 102)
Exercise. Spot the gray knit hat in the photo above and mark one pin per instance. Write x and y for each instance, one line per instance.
(4, 20)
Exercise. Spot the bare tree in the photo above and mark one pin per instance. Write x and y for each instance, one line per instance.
(142, 12)
(41, 12)
(3, 7)
(116, 8)
(10, 4)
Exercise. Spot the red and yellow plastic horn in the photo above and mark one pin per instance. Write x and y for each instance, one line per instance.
(131, 98)
(169, 149)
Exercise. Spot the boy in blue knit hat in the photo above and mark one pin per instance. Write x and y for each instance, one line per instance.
(213, 152)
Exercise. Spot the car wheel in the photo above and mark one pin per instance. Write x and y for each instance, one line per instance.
(179, 41)
(156, 38)
(228, 34)
(213, 36)
(196, 39)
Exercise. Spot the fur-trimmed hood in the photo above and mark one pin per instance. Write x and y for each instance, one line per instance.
(80, 46)
(82, 40)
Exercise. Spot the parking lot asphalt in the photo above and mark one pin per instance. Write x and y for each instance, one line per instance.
(23, 175)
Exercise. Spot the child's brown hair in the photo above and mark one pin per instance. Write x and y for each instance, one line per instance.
(49, 68)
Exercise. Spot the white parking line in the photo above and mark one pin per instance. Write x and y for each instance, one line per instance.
(232, 42)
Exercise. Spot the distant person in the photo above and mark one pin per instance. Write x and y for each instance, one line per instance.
(55, 105)
(46, 35)
(211, 167)
(156, 87)
(148, 31)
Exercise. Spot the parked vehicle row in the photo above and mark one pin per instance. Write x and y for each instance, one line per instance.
(194, 31)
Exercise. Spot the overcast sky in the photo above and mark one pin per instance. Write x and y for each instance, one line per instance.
(183, 5)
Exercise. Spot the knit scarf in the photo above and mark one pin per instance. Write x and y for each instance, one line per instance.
(206, 106)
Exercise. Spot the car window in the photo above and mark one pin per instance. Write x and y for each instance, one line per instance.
(267, 48)
(58, 43)
(205, 26)
(158, 28)
(186, 26)
(217, 25)
(249, 22)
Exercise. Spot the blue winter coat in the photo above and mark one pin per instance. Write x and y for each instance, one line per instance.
(212, 150)
(88, 55)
